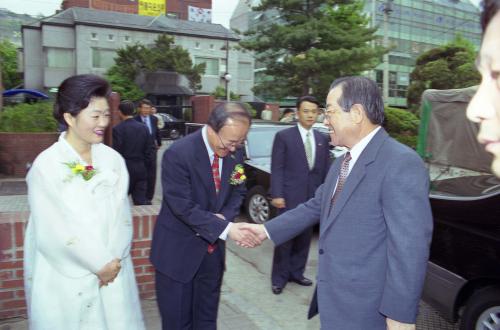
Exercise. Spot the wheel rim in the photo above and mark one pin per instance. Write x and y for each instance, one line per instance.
(489, 319)
(258, 209)
(174, 134)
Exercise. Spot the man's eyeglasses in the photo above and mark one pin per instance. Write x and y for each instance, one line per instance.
(231, 144)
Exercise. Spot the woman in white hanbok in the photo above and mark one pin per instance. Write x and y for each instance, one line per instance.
(78, 269)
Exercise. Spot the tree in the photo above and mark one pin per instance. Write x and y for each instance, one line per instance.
(312, 43)
(8, 63)
(163, 55)
(447, 67)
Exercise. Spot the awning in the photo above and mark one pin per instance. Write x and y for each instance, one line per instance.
(33, 92)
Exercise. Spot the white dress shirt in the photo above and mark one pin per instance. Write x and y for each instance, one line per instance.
(303, 132)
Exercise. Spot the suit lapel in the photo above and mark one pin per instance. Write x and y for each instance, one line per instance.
(319, 147)
(203, 167)
(227, 168)
(356, 175)
(301, 150)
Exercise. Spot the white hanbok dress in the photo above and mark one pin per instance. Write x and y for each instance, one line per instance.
(75, 228)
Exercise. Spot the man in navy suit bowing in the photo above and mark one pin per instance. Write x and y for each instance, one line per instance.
(202, 194)
(145, 116)
(299, 163)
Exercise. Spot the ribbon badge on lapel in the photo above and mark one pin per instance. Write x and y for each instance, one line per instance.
(238, 175)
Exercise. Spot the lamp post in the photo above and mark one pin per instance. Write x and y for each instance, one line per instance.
(385, 86)
(227, 79)
(227, 76)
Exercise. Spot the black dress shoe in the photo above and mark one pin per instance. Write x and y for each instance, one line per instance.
(277, 289)
(302, 281)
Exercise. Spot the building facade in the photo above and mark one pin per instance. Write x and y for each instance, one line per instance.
(414, 26)
(175, 8)
(80, 40)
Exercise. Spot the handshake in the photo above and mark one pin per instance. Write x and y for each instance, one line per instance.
(247, 235)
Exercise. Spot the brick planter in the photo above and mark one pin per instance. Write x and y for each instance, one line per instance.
(19, 150)
(12, 226)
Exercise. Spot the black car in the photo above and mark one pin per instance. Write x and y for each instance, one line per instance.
(463, 276)
(259, 146)
(173, 128)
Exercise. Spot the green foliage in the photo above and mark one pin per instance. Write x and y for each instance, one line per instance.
(310, 45)
(220, 93)
(8, 63)
(250, 110)
(163, 55)
(402, 125)
(188, 114)
(447, 67)
(36, 117)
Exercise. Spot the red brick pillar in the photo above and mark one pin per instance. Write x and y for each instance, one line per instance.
(114, 102)
(202, 106)
(275, 108)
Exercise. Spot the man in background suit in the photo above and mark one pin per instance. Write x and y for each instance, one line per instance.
(375, 219)
(299, 163)
(145, 116)
(201, 197)
(131, 139)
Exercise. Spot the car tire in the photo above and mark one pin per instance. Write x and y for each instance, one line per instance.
(258, 207)
(482, 310)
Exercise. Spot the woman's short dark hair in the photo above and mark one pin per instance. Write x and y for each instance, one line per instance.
(74, 94)
(127, 108)
(364, 91)
(490, 9)
(287, 111)
(307, 98)
(228, 110)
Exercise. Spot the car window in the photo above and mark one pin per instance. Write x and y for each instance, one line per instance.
(260, 140)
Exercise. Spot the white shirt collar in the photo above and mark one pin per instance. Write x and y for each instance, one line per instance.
(358, 148)
(207, 145)
(304, 131)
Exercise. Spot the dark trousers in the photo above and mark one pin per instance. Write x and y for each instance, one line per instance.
(290, 258)
(192, 305)
(138, 181)
(151, 177)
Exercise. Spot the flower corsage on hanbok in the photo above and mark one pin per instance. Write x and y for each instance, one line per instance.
(77, 169)
(238, 176)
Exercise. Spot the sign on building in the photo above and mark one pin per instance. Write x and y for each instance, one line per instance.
(152, 7)
(197, 14)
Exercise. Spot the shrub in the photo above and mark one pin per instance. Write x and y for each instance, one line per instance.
(402, 125)
(25, 117)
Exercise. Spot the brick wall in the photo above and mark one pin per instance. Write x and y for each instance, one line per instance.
(17, 150)
(12, 226)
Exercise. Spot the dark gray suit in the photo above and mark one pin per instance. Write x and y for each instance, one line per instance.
(374, 244)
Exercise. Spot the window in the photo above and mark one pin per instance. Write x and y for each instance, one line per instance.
(211, 65)
(93, 36)
(127, 38)
(244, 71)
(103, 58)
(60, 58)
(211, 46)
(111, 37)
(399, 60)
